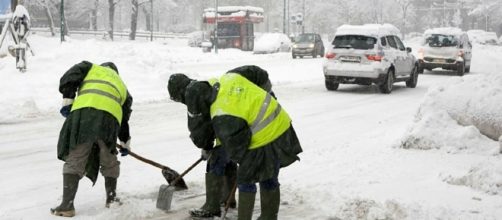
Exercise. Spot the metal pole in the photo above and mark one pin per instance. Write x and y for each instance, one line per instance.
(288, 17)
(62, 28)
(151, 21)
(486, 22)
(216, 27)
(284, 19)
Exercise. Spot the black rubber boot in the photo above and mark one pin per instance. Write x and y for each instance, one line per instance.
(70, 186)
(269, 200)
(213, 194)
(111, 194)
(246, 205)
(229, 183)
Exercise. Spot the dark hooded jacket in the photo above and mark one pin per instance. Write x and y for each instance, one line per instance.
(87, 125)
(254, 165)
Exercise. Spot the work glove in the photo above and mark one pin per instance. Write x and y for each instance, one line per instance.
(125, 147)
(66, 109)
(204, 154)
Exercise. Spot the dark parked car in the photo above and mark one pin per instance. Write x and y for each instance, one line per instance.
(308, 44)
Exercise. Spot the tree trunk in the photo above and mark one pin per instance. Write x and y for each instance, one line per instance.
(134, 19)
(49, 18)
(147, 17)
(111, 15)
(94, 16)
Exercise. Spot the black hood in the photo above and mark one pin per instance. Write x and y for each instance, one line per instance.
(111, 65)
(177, 85)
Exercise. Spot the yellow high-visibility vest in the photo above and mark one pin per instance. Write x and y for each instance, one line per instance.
(102, 89)
(239, 97)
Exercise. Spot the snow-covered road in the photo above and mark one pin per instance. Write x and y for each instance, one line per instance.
(351, 167)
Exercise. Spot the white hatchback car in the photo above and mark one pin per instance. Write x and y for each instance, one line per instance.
(447, 48)
(370, 53)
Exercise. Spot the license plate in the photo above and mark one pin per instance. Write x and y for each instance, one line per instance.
(439, 61)
(350, 59)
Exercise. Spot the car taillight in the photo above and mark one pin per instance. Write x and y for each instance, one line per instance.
(330, 55)
(237, 43)
(374, 57)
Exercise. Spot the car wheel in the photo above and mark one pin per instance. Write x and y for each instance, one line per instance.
(467, 69)
(386, 87)
(331, 86)
(460, 69)
(294, 56)
(412, 82)
(301, 56)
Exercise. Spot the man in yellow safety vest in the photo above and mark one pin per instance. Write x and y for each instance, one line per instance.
(254, 130)
(97, 107)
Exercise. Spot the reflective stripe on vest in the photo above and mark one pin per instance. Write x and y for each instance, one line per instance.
(102, 89)
(239, 97)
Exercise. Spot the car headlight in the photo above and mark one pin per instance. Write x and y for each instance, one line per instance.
(311, 45)
(295, 46)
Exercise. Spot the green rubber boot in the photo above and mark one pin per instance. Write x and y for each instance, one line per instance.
(246, 205)
(270, 200)
(70, 186)
(213, 194)
(111, 194)
(229, 182)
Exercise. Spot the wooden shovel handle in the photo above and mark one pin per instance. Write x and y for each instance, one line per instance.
(186, 171)
(148, 161)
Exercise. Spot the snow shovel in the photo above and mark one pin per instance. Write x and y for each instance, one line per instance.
(169, 174)
(166, 192)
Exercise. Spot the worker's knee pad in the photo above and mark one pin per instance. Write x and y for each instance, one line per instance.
(247, 187)
(270, 184)
(218, 161)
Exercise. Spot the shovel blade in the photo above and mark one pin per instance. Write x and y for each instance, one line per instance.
(165, 197)
(171, 175)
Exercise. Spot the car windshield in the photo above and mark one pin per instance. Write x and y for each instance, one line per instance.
(354, 41)
(305, 38)
(440, 40)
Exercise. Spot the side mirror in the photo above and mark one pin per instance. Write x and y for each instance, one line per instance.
(408, 49)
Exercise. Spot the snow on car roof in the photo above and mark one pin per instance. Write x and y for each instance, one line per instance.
(368, 30)
(445, 31)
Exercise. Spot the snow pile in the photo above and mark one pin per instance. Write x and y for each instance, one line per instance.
(458, 116)
(486, 177)
(369, 209)
(437, 130)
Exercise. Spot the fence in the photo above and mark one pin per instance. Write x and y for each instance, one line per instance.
(120, 34)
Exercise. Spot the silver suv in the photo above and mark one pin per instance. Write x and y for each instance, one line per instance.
(366, 54)
(446, 48)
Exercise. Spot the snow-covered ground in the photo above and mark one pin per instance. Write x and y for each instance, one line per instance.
(366, 155)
